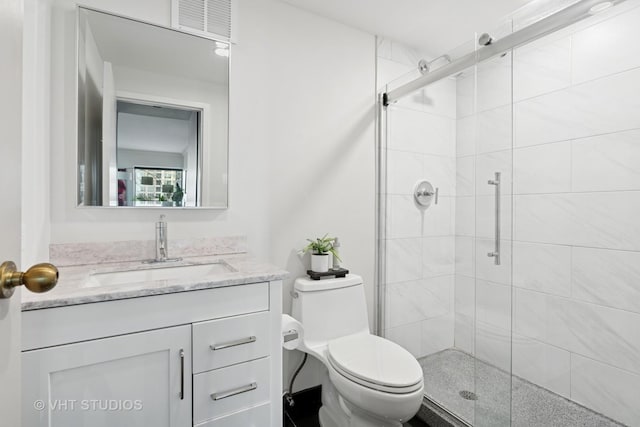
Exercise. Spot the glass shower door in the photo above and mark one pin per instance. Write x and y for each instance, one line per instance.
(483, 293)
(492, 279)
(418, 235)
(443, 297)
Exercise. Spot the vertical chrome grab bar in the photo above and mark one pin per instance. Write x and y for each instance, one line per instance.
(496, 252)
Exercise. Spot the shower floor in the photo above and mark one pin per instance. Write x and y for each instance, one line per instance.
(451, 371)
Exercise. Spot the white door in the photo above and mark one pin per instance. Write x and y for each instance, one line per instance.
(109, 135)
(133, 380)
(11, 17)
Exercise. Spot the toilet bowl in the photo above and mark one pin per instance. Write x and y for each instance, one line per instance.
(369, 381)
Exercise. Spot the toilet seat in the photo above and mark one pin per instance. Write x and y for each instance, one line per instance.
(375, 363)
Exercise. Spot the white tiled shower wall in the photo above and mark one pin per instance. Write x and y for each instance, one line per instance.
(574, 326)
(420, 243)
(576, 214)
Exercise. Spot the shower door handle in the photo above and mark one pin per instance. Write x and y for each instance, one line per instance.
(496, 252)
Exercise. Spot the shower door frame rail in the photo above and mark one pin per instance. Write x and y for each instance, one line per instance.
(545, 26)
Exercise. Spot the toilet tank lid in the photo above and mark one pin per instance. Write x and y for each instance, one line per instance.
(304, 284)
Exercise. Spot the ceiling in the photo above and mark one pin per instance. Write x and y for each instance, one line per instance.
(158, 134)
(128, 43)
(433, 27)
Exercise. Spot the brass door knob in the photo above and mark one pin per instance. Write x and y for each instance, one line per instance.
(39, 278)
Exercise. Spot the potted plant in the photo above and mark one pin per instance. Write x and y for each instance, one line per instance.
(320, 249)
(164, 200)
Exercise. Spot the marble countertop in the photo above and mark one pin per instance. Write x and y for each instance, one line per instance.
(76, 285)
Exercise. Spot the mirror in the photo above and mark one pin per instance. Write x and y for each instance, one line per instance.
(152, 115)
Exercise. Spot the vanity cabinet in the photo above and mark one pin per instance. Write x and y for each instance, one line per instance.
(224, 342)
(201, 358)
(231, 366)
(138, 379)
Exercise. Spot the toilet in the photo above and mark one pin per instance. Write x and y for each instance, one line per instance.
(369, 381)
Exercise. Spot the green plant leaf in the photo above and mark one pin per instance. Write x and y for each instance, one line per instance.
(321, 245)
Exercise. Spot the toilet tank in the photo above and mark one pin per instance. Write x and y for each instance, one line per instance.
(330, 308)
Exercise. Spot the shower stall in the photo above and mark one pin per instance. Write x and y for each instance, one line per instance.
(509, 219)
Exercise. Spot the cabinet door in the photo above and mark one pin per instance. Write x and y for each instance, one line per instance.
(133, 380)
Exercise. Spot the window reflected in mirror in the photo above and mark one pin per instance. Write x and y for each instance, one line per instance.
(151, 187)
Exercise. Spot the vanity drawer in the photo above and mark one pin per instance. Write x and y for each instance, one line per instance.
(252, 417)
(229, 341)
(63, 325)
(228, 390)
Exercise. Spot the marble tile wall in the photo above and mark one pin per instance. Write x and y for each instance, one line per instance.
(575, 212)
(563, 309)
(420, 245)
(577, 205)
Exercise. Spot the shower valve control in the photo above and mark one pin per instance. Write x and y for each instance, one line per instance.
(424, 194)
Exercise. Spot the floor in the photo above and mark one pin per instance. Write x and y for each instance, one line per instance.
(450, 372)
(312, 421)
(305, 411)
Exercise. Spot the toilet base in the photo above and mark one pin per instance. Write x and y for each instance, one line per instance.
(325, 418)
(335, 412)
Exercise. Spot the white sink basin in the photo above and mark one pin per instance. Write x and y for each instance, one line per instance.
(187, 272)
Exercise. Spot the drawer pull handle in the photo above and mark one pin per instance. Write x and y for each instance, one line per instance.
(235, 343)
(181, 374)
(234, 392)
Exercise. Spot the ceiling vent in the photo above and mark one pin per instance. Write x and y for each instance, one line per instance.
(214, 19)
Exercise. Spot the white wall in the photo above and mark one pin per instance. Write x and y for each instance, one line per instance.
(149, 133)
(301, 142)
(131, 158)
(314, 83)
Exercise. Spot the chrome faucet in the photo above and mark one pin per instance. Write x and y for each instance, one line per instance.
(162, 243)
